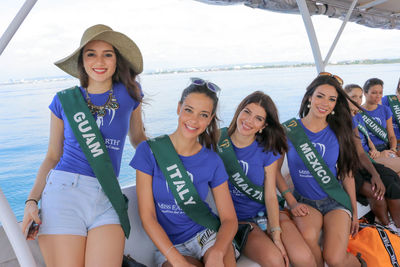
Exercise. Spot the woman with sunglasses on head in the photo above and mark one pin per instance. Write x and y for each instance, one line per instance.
(376, 184)
(173, 176)
(392, 101)
(80, 225)
(254, 141)
(378, 119)
(321, 159)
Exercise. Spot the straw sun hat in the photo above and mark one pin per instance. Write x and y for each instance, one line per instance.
(127, 48)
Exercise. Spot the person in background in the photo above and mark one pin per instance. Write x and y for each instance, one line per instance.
(321, 151)
(257, 140)
(171, 218)
(79, 225)
(376, 184)
(395, 107)
(385, 157)
(384, 138)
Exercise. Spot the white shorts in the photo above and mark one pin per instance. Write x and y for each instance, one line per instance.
(73, 204)
(195, 247)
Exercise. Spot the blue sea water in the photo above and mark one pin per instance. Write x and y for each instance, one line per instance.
(24, 113)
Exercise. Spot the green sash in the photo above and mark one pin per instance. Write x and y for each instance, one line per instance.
(236, 175)
(180, 183)
(315, 163)
(395, 106)
(92, 144)
(374, 127)
(364, 131)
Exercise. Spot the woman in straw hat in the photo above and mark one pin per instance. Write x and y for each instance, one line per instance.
(79, 225)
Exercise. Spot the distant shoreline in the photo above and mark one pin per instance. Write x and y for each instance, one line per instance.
(230, 67)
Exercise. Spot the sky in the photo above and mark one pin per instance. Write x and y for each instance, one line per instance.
(179, 34)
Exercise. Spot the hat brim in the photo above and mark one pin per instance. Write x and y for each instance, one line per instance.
(127, 48)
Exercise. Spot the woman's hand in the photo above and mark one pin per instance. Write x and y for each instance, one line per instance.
(388, 154)
(31, 213)
(377, 187)
(373, 153)
(354, 226)
(276, 237)
(299, 210)
(215, 257)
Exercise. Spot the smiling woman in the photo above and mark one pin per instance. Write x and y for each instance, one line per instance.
(173, 176)
(79, 173)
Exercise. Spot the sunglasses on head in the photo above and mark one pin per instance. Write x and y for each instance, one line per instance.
(337, 78)
(211, 86)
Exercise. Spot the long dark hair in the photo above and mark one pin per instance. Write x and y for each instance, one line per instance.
(208, 138)
(340, 123)
(398, 87)
(272, 137)
(123, 74)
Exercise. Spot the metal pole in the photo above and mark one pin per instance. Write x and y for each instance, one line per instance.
(311, 35)
(14, 25)
(14, 234)
(346, 19)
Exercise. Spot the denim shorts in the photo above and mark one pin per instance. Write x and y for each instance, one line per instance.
(195, 247)
(324, 205)
(73, 204)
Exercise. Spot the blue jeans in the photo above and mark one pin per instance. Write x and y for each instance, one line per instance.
(324, 205)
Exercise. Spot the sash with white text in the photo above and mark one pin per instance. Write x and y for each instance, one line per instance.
(395, 106)
(315, 163)
(364, 131)
(374, 127)
(236, 175)
(92, 144)
(180, 184)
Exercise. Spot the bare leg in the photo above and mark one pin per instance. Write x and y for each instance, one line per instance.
(63, 250)
(310, 228)
(260, 248)
(394, 209)
(299, 253)
(336, 236)
(105, 246)
(191, 260)
(378, 207)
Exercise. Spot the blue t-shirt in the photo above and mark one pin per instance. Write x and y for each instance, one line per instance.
(357, 119)
(396, 127)
(206, 170)
(113, 127)
(253, 160)
(381, 114)
(327, 146)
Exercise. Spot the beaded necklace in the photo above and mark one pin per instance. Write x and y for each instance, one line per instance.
(111, 103)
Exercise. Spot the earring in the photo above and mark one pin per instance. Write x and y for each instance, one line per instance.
(260, 131)
(308, 105)
(333, 112)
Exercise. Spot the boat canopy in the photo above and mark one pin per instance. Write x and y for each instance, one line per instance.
(384, 14)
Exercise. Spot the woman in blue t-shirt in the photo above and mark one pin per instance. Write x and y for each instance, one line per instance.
(386, 158)
(326, 120)
(396, 126)
(180, 240)
(373, 90)
(79, 226)
(258, 140)
(376, 184)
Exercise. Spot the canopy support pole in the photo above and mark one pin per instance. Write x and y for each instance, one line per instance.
(346, 19)
(312, 37)
(15, 23)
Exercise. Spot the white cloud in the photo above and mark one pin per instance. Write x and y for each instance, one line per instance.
(179, 33)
